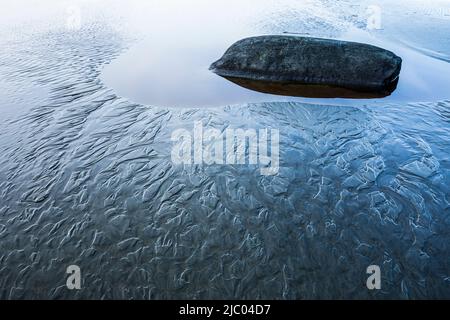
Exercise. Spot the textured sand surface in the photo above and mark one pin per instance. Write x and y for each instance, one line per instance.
(86, 178)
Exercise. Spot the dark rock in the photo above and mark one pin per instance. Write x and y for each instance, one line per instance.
(310, 67)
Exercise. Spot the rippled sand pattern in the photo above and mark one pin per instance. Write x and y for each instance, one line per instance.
(86, 178)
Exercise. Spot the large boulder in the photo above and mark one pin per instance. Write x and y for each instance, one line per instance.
(310, 67)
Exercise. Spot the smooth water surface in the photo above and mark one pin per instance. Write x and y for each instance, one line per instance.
(168, 64)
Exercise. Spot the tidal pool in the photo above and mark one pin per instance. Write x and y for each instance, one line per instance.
(168, 64)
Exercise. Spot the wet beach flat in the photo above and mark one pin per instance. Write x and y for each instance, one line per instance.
(86, 176)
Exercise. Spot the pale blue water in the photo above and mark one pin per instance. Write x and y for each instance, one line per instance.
(86, 176)
(168, 64)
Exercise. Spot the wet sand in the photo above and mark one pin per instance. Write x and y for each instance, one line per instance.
(86, 178)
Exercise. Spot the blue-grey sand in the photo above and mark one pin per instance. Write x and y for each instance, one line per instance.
(87, 179)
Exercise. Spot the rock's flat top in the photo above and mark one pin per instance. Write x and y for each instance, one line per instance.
(311, 61)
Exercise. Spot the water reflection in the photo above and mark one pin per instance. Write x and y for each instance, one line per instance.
(169, 65)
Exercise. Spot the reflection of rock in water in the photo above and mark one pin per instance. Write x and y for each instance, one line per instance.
(310, 67)
(86, 179)
(304, 90)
